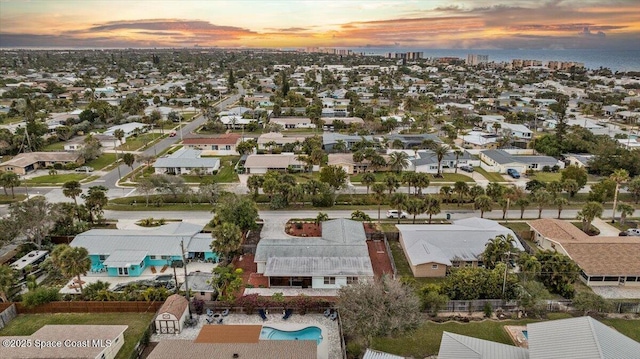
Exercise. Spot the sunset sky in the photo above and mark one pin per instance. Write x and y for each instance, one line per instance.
(488, 24)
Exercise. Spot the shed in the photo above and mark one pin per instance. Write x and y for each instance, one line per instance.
(172, 315)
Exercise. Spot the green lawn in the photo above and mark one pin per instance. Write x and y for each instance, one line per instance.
(134, 143)
(448, 177)
(55, 179)
(8, 199)
(27, 324)
(546, 176)
(491, 176)
(402, 266)
(103, 161)
(56, 146)
(425, 340)
(226, 173)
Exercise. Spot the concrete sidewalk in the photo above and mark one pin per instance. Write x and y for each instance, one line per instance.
(606, 230)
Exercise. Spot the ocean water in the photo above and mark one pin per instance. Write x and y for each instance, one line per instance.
(616, 60)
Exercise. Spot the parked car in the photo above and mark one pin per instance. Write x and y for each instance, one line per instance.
(467, 168)
(513, 173)
(172, 134)
(632, 232)
(393, 213)
(84, 169)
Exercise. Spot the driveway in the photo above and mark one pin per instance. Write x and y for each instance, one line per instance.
(606, 230)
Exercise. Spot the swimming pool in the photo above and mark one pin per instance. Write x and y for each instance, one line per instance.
(308, 333)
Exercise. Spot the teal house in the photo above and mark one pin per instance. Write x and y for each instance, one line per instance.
(120, 252)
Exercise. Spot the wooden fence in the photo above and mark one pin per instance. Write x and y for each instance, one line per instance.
(90, 307)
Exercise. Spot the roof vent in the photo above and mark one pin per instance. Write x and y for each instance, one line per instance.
(236, 355)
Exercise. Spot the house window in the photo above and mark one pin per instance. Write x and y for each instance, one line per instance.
(141, 264)
(352, 280)
(329, 280)
(201, 293)
(227, 147)
(214, 147)
(434, 266)
(165, 257)
(102, 257)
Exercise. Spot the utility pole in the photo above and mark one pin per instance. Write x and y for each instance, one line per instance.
(186, 283)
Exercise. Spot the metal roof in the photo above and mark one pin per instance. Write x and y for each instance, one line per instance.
(331, 137)
(187, 158)
(343, 230)
(464, 240)
(318, 266)
(199, 282)
(579, 338)
(503, 157)
(455, 346)
(163, 240)
(374, 354)
(125, 258)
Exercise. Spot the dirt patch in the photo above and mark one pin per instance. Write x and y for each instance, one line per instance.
(249, 275)
(379, 258)
(303, 229)
(253, 236)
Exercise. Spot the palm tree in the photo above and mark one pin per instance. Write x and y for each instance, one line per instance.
(625, 211)
(129, 159)
(440, 152)
(391, 182)
(11, 180)
(560, 202)
(458, 153)
(571, 186)
(619, 176)
(529, 265)
(446, 191)
(522, 202)
(415, 206)
(588, 213)
(398, 200)
(483, 203)
(541, 197)
(340, 146)
(432, 205)
(408, 178)
(368, 179)
(475, 191)
(398, 161)
(379, 190)
(74, 261)
(462, 189)
(227, 240)
(72, 189)
(420, 181)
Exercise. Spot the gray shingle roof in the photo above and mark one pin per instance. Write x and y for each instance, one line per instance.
(199, 282)
(579, 338)
(464, 240)
(187, 158)
(343, 230)
(455, 346)
(374, 354)
(318, 266)
(503, 157)
(426, 157)
(331, 137)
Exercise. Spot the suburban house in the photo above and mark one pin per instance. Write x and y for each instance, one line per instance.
(426, 161)
(496, 124)
(433, 248)
(501, 160)
(293, 122)
(171, 316)
(235, 121)
(328, 122)
(129, 129)
(345, 160)
(479, 140)
(603, 261)
(339, 257)
(104, 342)
(411, 141)
(260, 164)
(120, 252)
(577, 159)
(277, 138)
(76, 143)
(330, 139)
(27, 162)
(186, 161)
(572, 338)
(223, 145)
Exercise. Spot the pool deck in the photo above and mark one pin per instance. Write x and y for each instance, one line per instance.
(329, 348)
(515, 333)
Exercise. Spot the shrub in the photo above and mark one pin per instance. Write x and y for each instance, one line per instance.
(546, 169)
(198, 306)
(40, 295)
(57, 166)
(354, 350)
(487, 310)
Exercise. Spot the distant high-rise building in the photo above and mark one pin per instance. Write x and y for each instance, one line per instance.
(475, 59)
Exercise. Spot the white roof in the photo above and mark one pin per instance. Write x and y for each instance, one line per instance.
(163, 240)
(272, 161)
(28, 259)
(318, 266)
(456, 346)
(374, 354)
(187, 158)
(464, 240)
(126, 127)
(125, 258)
(579, 338)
